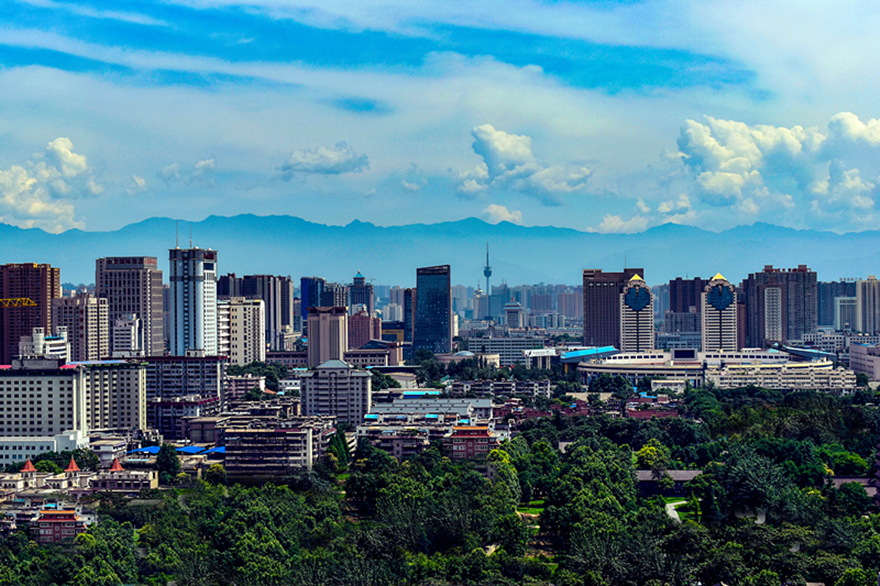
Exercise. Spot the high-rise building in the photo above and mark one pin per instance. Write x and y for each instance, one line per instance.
(362, 328)
(846, 311)
(127, 337)
(241, 330)
(361, 293)
(85, 317)
(433, 324)
(328, 334)
(288, 308)
(337, 388)
(133, 285)
(229, 286)
(39, 345)
(268, 289)
(193, 301)
(636, 317)
(685, 294)
(602, 305)
(781, 305)
(334, 295)
(719, 315)
(827, 292)
(515, 316)
(41, 283)
(410, 302)
(868, 306)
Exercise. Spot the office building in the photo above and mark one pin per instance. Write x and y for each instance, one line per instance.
(362, 328)
(127, 337)
(242, 330)
(636, 317)
(39, 345)
(193, 301)
(781, 305)
(846, 312)
(509, 350)
(311, 293)
(269, 289)
(133, 285)
(40, 283)
(85, 318)
(338, 389)
(410, 301)
(827, 292)
(361, 293)
(328, 334)
(115, 394)
(515, 316)
(275, 450)
(868, 306)
(228, 286)
(719, 315)
(433, 323)
(602, 305)
(179, 376)
(685, 294)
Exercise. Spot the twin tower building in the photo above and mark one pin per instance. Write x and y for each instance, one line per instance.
(619, 312)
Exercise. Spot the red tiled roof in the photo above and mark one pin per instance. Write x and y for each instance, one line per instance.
(116, 466)
(28, 467)
(72, 467)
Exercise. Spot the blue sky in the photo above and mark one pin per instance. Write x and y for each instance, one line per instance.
(604, 116)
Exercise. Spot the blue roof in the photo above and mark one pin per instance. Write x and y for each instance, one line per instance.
(147, 450)
(190, 449)
(218, 450)
(598, 351)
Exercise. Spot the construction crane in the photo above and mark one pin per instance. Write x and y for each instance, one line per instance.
(17, 302)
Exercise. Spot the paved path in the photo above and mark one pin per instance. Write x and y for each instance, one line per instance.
(673, 514)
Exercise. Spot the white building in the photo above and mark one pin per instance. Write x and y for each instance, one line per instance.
(193, 301)
(820, 375)
(128, 337)
(719, 315)
(636, 317)
(865, 358)
(241, 330)
(338, 389)
(38, 344)
(509, 350)
(85, 317)
(846, 313)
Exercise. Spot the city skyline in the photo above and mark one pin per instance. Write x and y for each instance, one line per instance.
(607, 117)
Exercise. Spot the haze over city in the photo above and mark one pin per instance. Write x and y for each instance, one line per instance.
(602, 116)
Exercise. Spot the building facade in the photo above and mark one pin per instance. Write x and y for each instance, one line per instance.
(328, 334)
(85, 317)
(336, 388)
(133, 285)
(602, 305)
(193, 301)
(361, 293)
(40, 283)
(636, 317)
(362, 328)
(781, 305)
(433, 322)
(241, 325)
(719, 315)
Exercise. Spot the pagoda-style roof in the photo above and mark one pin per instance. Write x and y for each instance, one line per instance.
(28, 466)
(116, 466)
(72, 467)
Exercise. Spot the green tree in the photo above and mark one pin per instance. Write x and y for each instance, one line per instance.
(216, 474)
(48, 466)
(857, 577)
(862, 379)
(167, 463)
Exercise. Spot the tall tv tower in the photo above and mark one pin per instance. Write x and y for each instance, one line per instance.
(487, 270)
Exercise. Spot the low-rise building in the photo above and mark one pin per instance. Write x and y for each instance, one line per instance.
(529, 388)
(509, 349)
(470, 442)
(337, 389)
(865, 358)
(117, 479)
(56, 526)
(819, 375)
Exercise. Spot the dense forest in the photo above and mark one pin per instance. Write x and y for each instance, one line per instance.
(762, 513)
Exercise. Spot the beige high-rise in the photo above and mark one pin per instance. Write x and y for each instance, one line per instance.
(85, 317)
(328, 334)
(133, 285)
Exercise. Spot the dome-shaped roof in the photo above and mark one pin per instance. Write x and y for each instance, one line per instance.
(464, 353)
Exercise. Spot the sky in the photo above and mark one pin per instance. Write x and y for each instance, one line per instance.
(606, 116)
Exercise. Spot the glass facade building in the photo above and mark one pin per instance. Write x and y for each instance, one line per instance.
(433, 324)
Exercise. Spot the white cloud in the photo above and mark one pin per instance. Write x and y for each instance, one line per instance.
(199, 173)
(497, 213)
(508, 163)
(642, 206)
(138, 185)
(414, 179)
(323, 160)
(616, 224)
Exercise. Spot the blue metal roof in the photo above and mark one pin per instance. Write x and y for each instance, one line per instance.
(190, 449)
(218, 450)
(147, 450)
(600, 351)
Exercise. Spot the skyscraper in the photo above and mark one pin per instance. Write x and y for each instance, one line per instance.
(781, 305)
(719, 315)
(410, 302)
(636, 317)
(242, 330)
(433, 324)
(868, 306)
(193, 301)
(41, 283)
(85, 317)
(328, 334)
(133, 285)
(602, 305)
(267, 288)
(827, 292)
(361, 293)
(311, 292)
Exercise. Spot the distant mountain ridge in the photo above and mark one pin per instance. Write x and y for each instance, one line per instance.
(288, 245)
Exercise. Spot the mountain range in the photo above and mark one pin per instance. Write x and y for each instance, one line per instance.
(287, 245)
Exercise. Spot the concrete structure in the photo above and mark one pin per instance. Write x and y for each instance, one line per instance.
(376, 353)
(433, 315)
(275, 450)
(865, 358)
(362, 328)
(338, 389)
(636, 317)
(56, 525)
(39, 345)
(85, 317)
(169, 414)
(515, 316)
(118, 480)
(193, 301)
(238, 386)
(528, 388)
(127, 337)
(602, 305)
(361, 293)
(846, 313)
(133, 286)
(819, 375)
(178, 376)
(781, 305)
(509, 349)
(868, 306)
(838, 342)
(328, 334)
(241, 326)
(470, 442)
(41, 283)
(115, 394)
(827, 292)
(719, 315)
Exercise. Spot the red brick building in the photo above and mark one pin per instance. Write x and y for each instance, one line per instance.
(470, 441)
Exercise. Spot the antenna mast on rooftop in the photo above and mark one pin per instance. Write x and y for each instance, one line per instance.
(487, 270)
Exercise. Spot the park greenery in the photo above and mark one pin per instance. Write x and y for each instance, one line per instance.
(763, 512)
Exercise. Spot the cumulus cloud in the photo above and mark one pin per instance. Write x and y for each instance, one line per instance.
(138, 185)
(832, 175)
(199, 173)
(37, 194)
(497, 213)
(414, 179)
(509, 164)
(323, 160)
(616, 224)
